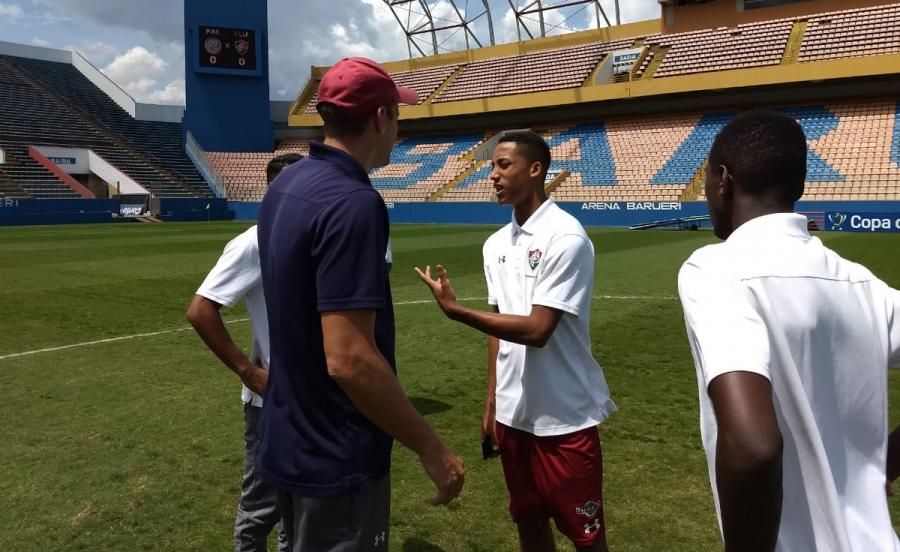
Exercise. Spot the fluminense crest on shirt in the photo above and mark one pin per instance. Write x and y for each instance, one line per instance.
(534, 258)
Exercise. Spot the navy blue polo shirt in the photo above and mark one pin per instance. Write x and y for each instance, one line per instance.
(323, 233)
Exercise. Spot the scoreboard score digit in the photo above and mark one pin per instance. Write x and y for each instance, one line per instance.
(231, 50)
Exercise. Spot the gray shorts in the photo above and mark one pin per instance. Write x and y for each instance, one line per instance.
(355, 523)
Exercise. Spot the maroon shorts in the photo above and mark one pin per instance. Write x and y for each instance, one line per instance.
(558, 477)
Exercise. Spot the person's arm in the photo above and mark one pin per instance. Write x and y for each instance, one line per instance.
(204, 316)
(893, 451)
(355, 363)
(533, 330)
(730, 345)
(748, 461)
(893, 455)
(490, 403)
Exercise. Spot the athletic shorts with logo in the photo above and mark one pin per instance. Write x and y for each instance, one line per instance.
(558, 477)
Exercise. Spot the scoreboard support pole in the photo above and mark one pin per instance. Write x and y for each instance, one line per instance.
(227, 75)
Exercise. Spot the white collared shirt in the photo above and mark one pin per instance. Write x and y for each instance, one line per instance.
(548, 261)
(774, 301)
(237, 275)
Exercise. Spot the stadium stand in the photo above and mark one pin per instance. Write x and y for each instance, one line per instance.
(837, 34)
(424, 82)
(245, 173)
(535, 72)
(53, 104)
(748, 45)
(420, 167)
(858, 153)
(854, 149)
(852, 33)
(854, 154)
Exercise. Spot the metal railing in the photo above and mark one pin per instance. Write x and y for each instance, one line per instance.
(205, 167)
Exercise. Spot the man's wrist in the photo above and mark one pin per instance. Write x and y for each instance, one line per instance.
(431, 446)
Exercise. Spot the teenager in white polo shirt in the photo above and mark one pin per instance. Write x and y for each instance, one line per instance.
(792, 344)
(237, 276)
(545, 390)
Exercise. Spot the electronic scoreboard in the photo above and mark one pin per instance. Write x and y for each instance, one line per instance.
(227, 50)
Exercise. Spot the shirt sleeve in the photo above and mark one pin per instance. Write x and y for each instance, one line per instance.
(349, 249)
(725, 332)
(236, 272)
(492, 295)
(894, 328)
(566, 279)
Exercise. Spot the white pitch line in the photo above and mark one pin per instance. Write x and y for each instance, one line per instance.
(638, 297)
(175, 330)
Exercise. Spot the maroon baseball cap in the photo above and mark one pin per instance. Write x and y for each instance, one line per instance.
(359, 86)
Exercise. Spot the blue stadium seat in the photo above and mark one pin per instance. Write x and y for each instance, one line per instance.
(895, 142)
(476, 176)
(816, 122)
(596, 165)
(427, 163)
(689, 157)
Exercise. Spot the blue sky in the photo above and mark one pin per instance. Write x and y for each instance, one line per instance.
(139, 43)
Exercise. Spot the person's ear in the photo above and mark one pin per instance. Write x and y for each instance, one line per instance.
(726, 181)
(381, 120)
(536, 169)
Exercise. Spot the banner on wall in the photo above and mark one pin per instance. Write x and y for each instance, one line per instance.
(848, 221)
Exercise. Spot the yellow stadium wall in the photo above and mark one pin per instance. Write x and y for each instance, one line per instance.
(713, 81)
(607, 34)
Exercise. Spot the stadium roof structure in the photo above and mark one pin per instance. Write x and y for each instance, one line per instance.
(425, 28)
(803, 57)
(570, 8)
(430, 27)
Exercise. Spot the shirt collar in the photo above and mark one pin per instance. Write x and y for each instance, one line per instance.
(344, 161)
(534, 221)
(792, 225)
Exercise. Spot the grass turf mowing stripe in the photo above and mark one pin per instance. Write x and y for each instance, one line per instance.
(173, 330)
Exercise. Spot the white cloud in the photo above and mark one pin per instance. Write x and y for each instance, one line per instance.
(98, 53)
(633, 10)
(173, 93)
(140, 72)
(11, 11)
(136, 63)
(41, 42)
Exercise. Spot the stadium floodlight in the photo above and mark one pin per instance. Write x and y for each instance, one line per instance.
(429, 27)
(536, 11)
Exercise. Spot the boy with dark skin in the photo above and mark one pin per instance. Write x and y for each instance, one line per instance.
(774, 322)
(558, 272)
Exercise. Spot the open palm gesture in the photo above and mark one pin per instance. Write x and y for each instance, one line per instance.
(440, 288)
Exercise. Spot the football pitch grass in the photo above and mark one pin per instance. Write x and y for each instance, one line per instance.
(131, 439)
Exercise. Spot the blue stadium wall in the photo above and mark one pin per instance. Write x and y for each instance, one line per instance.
(15, 212)
(849, 216)
(855, 216)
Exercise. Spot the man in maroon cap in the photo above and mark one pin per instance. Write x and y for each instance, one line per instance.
(333, 404)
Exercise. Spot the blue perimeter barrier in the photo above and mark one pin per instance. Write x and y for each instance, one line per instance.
(627, 213)
(14, 212)
(847, 216)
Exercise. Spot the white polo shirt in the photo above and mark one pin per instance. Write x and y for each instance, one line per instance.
(774, 301)
(547, 261)
(237, 276)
